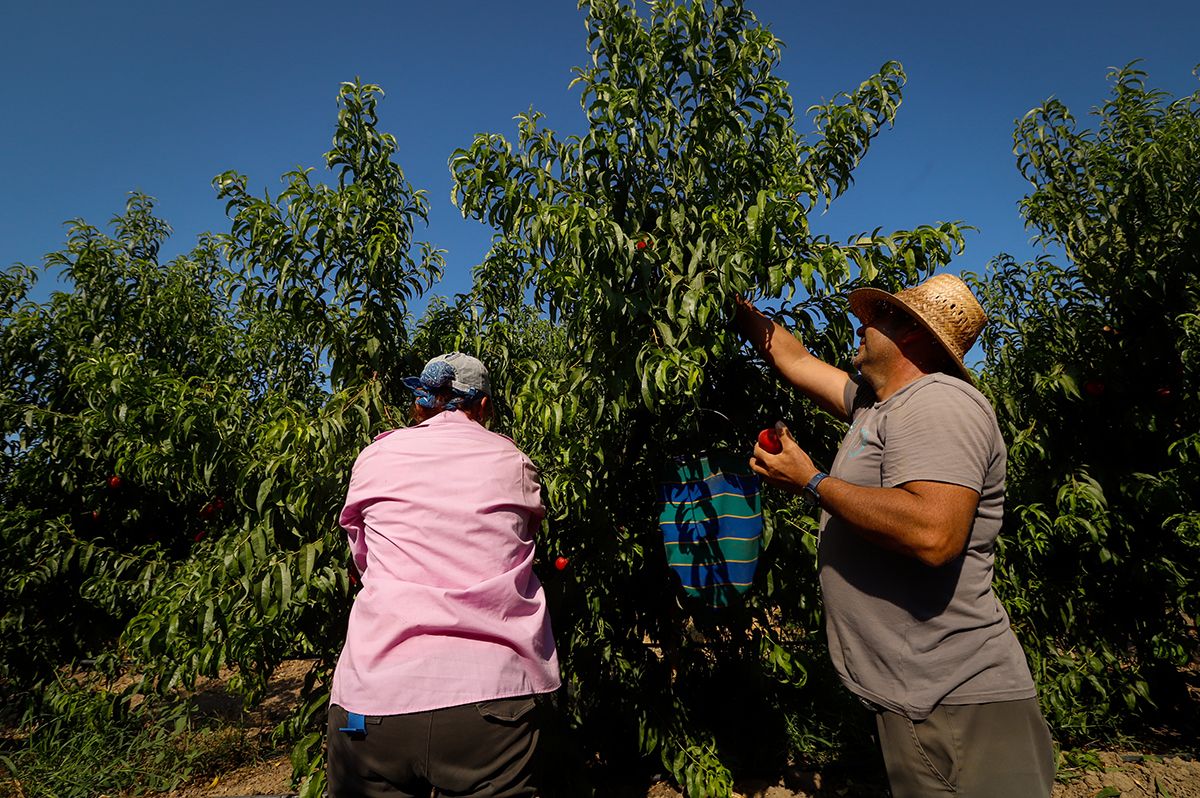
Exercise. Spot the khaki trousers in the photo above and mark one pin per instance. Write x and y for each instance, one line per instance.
(483, 750)
(998, 750)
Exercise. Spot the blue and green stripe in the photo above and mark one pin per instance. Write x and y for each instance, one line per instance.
(711, 521)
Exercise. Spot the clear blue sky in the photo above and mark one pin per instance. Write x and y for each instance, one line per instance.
(100, 99)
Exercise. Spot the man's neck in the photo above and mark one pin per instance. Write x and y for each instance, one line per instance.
(897, 377)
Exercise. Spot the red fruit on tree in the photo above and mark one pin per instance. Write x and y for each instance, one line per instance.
(95, 515)
(114, 482)
(1163, 393)
(207, 511)
(218, 503)
(1094, 388)
(561, 563)
(199, 536)
(770, 442)
(641, 245)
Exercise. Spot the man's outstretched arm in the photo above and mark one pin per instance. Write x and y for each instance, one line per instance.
(821, 382)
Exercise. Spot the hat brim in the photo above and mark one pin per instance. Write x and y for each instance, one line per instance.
(861, 300)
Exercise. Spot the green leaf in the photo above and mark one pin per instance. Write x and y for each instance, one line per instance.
(285, 585)
(264, 490)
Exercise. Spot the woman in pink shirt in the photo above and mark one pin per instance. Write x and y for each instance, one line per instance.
(449, 640)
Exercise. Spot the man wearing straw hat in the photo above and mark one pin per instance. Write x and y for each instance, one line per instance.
(910, 513)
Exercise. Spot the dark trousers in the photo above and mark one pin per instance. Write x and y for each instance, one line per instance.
(484, 750)
(998, 750)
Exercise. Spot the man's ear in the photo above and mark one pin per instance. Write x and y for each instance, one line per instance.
(914, 333)
(922, 347)
(484, 409)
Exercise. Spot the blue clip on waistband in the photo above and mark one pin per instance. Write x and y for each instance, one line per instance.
(356, 725)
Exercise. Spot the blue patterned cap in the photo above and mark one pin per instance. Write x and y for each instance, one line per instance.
(465, 375)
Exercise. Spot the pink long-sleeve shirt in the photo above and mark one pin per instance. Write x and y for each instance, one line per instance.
(441, 518)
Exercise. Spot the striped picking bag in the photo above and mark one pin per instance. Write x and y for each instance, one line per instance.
(711, 520)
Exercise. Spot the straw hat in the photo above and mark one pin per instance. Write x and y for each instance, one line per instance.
(942, 304)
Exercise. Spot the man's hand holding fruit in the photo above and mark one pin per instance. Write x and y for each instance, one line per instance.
(789, 467)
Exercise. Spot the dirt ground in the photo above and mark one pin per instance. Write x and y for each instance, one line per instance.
(1122, 773)
(1154, 777)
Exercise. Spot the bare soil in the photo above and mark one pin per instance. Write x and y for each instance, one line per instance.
(1150, 776)
(1120, 773)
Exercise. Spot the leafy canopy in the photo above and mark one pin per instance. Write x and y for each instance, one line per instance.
(689, 185)
(177, 435)
(1092, 363)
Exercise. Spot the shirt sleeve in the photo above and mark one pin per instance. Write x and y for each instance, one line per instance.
(848, 394)
(857, 395)
(533, 494)
(939, 435)
(351, 519)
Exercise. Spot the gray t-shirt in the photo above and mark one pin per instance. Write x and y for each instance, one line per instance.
(904, 635)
